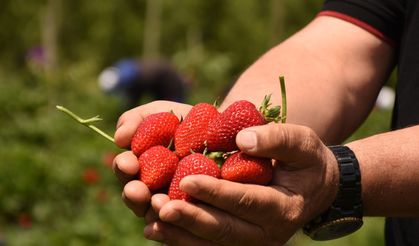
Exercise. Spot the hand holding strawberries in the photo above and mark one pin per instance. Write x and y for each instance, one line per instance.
(304, 185)
(136, 194)
(234, 213)
(203, 128)
(239, 208)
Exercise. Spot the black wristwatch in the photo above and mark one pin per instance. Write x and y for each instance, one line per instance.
(345, 214)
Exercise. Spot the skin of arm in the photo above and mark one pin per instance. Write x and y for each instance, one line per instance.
(390, 171)
(333, 72)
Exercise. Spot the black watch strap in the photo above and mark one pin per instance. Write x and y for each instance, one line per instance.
(348, 199)
(345, 214)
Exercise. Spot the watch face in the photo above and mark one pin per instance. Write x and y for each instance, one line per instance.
(337, 229)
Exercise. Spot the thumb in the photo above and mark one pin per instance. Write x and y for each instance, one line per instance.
(283, 142)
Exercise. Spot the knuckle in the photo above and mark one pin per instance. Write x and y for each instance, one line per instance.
(283, 136)
(294, 214)
(310, 140)
(212, 192)
(225, 232)
(246, 202)
(192, 219)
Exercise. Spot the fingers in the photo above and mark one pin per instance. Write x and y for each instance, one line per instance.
(246, 201)
(285, 142)
(157, 202)
(128, 122)
(211, 224)
(306, 164)
(125, 166)
(173, 235)
(166, 233)
(126, 126)
(137, 197)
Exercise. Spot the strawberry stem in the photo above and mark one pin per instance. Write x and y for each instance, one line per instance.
(218, 157)
(284, 99)
(86, 122)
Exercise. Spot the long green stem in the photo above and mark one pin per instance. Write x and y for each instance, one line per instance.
(86, 122)
(284, 99)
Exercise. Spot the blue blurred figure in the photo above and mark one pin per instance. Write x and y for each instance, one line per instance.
(130, 79)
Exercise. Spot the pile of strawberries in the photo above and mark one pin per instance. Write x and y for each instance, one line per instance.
(169, 149)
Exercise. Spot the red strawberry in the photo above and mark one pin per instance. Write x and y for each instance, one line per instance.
(192, 164)
(222, 131)
(90, 176)
(25, 220)
(155, 129)
(192, 132)
(243, 168)
(157, 167)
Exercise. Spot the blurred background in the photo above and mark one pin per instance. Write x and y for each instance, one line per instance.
(56, 185)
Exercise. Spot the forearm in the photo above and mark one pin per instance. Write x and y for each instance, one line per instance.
(331, 83)
(389, 171)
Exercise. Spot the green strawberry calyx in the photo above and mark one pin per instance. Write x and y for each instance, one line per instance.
(270, 113)
(86, 122)
(219, 156)
(274, 113)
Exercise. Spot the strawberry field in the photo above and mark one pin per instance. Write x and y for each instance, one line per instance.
(56, 184)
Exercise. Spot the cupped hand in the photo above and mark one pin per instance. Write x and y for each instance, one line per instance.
(304, 185)
(135, 194)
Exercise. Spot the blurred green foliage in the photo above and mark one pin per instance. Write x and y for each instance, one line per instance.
(56, 185)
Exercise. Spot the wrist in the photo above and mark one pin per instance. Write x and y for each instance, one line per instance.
(333, 174)
(344, 215)
(327, 192)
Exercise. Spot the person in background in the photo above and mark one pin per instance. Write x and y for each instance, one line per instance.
(131, 79)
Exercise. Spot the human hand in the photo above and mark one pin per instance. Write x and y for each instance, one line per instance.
(304, 185)
(135, 194)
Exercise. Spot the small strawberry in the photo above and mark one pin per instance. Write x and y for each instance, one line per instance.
(192, 131)
(195, 163)
(243, 168)
(90, 176)
(222, 131)
(25, 220)
(157, 167)
(155, 129)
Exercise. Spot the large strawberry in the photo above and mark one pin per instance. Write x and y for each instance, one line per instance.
(157, 166)
(195, 163)
(155, 129)
(241, 114)
(192, 131)
(243, 168)
(222, 131)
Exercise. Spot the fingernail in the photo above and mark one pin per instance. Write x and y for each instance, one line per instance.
(151, 231)
(247, 139)
(188, 185)
(173, 216)
(119, 123)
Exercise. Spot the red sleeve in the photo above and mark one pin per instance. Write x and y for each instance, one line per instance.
(382, 18)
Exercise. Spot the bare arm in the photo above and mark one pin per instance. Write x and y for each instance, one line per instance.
(332, 84)
(390, 171)
(333, 72)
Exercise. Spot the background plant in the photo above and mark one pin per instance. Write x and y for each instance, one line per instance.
(56, 186)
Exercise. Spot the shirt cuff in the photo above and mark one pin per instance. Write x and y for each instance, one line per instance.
(358, 23)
